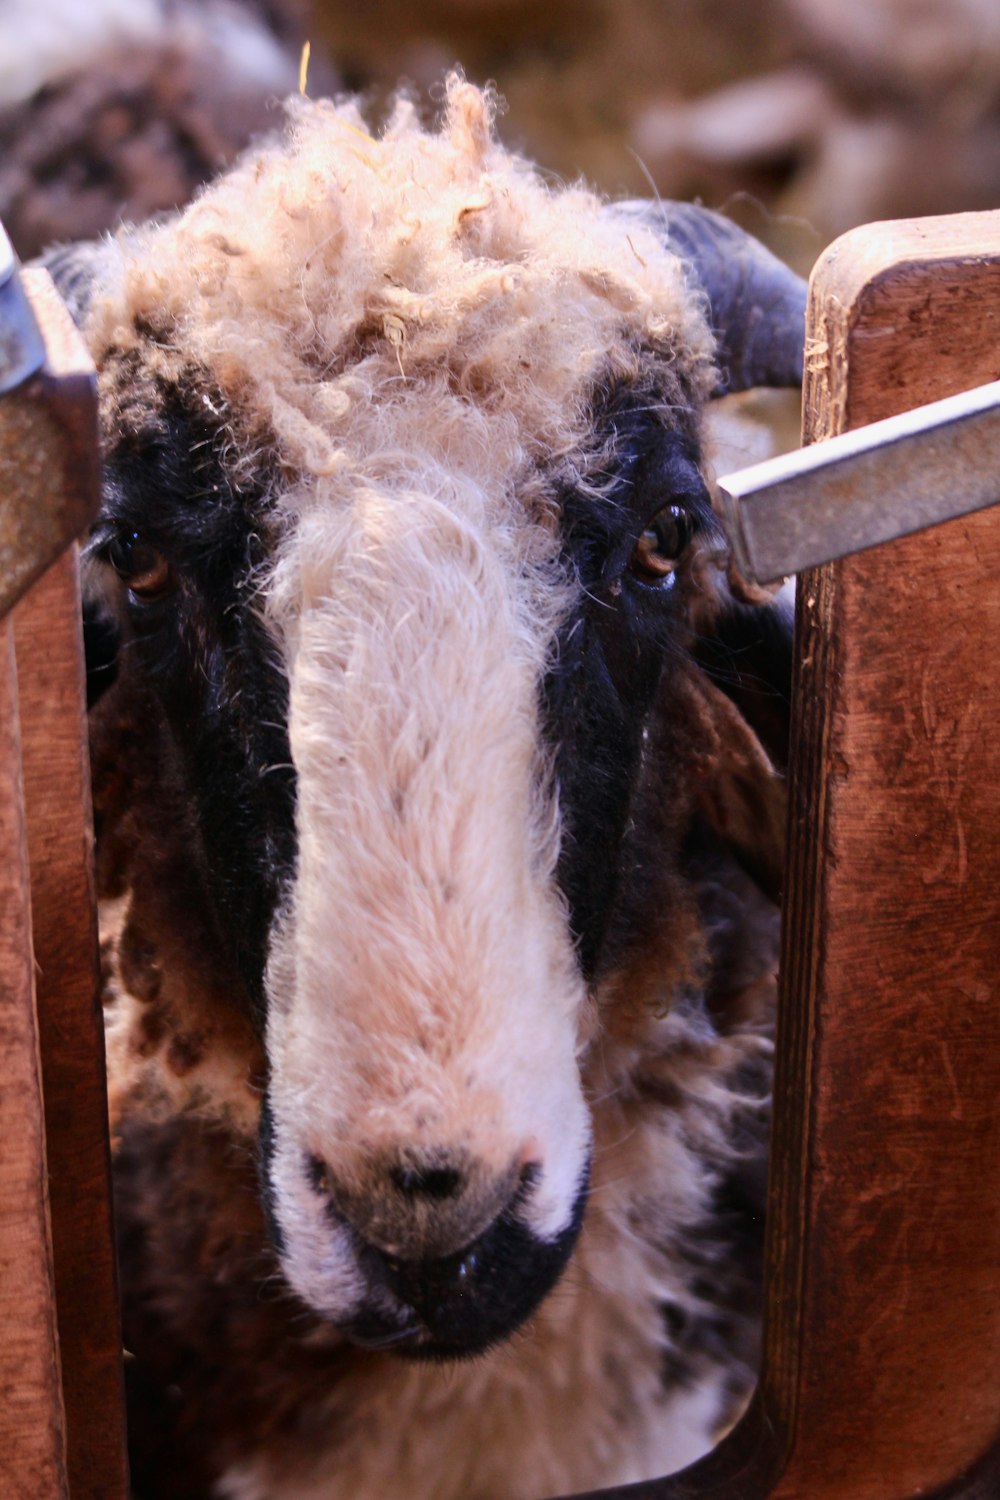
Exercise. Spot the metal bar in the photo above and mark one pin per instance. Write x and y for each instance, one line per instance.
(864, 487)
(22, 351)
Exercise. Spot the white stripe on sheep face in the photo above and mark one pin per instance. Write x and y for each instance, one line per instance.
(424, 1003)
(414, 570)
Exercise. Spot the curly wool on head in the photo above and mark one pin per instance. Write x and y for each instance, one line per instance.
(330, 266)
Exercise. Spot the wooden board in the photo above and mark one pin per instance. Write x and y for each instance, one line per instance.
(881, 1376)
(62, 1422)
(891, 1301)
(59, 835)
(32, 1465)
(49, 477)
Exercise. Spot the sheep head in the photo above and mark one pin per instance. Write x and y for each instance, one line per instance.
(412, 559)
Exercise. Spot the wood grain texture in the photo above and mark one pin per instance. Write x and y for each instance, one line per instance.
(59, 834)
(49, 477)
(901, 313)
(881, 1375)
(32, 1463)
(892, 950)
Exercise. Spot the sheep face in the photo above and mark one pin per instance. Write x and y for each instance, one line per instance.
(408, 545)
(423, 914)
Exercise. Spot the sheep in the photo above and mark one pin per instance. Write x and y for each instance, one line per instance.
(437, 777)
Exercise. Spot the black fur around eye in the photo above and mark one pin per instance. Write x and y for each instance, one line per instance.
(661, 545)
(139, 565)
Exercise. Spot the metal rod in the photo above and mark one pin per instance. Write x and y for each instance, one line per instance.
(865, 487)
(22, 351)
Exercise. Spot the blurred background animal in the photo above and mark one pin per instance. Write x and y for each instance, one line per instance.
(121, 109)
(800, 117)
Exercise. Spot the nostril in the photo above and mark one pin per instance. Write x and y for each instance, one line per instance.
(319, 1175)
(531, 1175)
(426, 1182)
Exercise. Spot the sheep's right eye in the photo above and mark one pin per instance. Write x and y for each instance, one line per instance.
(139, 565)
(660, 546)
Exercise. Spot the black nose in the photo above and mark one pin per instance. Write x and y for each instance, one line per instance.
(431, 1283)
(427, 1285)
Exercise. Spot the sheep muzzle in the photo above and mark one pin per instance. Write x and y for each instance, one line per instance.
(423, 1209)
(430, 1255)
(459, 1305)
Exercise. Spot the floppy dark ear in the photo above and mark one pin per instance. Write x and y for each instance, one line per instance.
(100, 645)
(746, 667)
(748, 655)
(757, 304)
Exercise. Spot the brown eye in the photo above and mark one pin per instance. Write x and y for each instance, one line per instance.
(660, 546)
(138, 564)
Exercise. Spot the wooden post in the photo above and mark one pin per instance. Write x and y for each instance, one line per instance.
(56, 772)
(881, 1377)
(61, 1407)
(890, 1308)
(32, 1441)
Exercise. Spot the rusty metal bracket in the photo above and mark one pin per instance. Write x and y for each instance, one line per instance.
(49, 469)
(865, 487)
(22, 350)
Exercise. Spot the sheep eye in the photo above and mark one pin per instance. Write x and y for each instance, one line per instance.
(656, 553)
(138, 564)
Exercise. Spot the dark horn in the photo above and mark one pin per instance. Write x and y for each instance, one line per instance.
(78, 270)
(757, 304)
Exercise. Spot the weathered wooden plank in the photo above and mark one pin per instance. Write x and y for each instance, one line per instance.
(892, 951)
(902, 313)
(59, 833)
(881, 1377)
(48, 449)
(32, 1463)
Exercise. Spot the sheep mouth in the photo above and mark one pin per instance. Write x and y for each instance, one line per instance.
(464, 1304)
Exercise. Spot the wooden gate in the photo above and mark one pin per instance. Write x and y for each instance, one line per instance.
(61, 1424)
(881, 1376)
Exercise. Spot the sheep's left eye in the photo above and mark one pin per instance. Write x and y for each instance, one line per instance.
(139, 565)
(659, 548)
